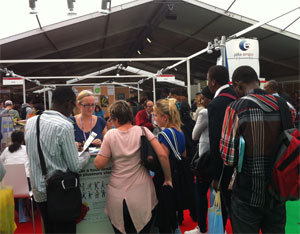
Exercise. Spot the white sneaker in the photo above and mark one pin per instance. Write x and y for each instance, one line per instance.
(196, 230)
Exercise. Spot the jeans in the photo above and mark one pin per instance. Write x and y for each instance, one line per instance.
(202, 203)
(248, 219)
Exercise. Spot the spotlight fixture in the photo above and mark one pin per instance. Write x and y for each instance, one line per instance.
(148, 39)
(105, 6)
(171, 15)
(71, 7)
(216, 44)
(210, 48)
(32, 6)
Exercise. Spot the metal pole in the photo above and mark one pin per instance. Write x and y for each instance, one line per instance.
(79, 78)
(24, 91)
(257, 25)
(188, 74)
(90, 60)
(50, 99)
(45, 101)
(223, 51)
(154, 91)
(139, 96)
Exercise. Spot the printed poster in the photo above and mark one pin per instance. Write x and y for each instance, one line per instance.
(93, 184)
(110, 90)
(97, 90)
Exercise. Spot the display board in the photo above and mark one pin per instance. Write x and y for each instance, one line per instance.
(93, 185)
(6, 127)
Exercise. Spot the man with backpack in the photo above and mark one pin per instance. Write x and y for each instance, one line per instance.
(26, 109)
(254, 118)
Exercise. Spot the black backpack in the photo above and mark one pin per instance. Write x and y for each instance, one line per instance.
(23, 113)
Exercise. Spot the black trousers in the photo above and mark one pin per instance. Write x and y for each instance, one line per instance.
(55, 226)
(248, 219)
(128, 224)
(202, 203)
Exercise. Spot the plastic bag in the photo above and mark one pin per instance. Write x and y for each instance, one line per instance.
(7, 210)
(215, 221)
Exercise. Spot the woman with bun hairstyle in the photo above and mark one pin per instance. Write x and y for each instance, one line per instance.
(200, 134)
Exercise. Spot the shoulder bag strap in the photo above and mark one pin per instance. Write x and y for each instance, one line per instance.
(285, 114)
(175, 139)
(143, 130)
(175, 152)
(227, 95)
(41, 155)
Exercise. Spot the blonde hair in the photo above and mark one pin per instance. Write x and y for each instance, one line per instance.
(168, 107)
(83, 94)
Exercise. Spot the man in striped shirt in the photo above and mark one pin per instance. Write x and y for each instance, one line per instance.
(256, 117)
(58, 146)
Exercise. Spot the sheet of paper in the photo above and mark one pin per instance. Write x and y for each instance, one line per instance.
(88, 142)
(110, 90)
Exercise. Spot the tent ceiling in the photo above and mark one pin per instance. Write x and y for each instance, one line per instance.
(124, 31)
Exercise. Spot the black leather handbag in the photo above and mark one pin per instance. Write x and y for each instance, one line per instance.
(148, 155)
(201, 165)
(64, 199)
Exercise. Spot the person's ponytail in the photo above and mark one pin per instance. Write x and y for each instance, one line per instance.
(174, 113)
(17, 138)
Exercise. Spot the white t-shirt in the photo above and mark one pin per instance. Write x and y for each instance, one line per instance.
(18, 157)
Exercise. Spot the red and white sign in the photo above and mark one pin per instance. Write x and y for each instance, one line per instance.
(165, 78)
(12, 81)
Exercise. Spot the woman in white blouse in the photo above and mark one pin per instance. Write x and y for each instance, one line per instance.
(16, 154)
(200, 132)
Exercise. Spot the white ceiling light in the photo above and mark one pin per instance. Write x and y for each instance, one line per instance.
(71, 7)
(105, 6)
(32, 6)
(148, 39)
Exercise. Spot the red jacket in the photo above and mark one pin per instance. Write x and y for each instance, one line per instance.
(142, 119)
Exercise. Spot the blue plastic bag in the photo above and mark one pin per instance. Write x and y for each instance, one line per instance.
(215, 220)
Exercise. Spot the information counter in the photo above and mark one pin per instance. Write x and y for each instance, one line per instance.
(93, 185)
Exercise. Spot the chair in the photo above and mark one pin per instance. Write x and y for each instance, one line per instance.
(16, 177)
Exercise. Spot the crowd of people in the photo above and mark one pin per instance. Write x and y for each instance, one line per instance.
(135, 198)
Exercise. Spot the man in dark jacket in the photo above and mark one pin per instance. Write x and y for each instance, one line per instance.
(218, 78)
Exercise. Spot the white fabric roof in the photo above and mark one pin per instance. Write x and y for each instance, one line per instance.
(16, 17)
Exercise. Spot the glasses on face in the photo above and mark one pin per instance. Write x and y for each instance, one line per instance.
(87, 105)
(149, 106)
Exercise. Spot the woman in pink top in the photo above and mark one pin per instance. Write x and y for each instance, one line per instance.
(130, 190)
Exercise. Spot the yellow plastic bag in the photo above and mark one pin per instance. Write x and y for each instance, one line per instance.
(7, 210)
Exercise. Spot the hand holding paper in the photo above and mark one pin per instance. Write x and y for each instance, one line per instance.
(88, 142)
